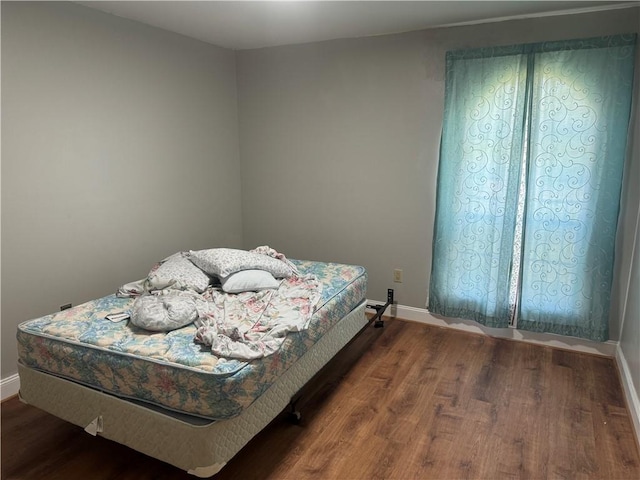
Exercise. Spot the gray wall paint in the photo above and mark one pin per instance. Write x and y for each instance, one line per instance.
(119, 147)
(339, 143)
(629, 235)
(630, 337)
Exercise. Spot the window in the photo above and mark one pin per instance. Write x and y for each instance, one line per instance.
(529, 182)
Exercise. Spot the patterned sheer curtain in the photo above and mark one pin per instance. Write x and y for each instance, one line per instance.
(529, 184)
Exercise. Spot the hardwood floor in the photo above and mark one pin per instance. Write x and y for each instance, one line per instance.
(408, 401)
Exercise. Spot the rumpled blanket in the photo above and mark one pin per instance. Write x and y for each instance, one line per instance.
(252, 325)
(266, 250)
(243, 326)
(133, 289)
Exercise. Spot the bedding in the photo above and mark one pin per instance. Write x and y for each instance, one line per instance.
(166, 311)
(169, 369)
(252, 325)
(222, 262)
(249, 281)
(177, 272)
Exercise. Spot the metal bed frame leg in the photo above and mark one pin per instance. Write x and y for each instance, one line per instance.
(293, 413)
(377, 318)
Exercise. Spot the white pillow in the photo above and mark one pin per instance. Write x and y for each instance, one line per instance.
(225, 261)
(249, 281)
(164, 312)
(179, 273)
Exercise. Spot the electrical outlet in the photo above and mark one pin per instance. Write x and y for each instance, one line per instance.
(66, 306)
(397, 275)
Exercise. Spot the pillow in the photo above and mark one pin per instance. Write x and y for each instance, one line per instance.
(249, 281)
(162, 313)
(179, 273)
(225, 261)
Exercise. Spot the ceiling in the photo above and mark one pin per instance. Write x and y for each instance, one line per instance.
(254, 24)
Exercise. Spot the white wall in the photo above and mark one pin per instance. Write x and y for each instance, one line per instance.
(629, 271)
(629, 354)
(119, 147)
(339, 143)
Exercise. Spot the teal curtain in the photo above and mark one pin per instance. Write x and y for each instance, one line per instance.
(477, 185)
(529, 180)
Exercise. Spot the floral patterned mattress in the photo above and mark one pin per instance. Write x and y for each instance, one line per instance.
(169, 369)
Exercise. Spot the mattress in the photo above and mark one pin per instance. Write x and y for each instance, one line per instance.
(200, 449)
(168, 369)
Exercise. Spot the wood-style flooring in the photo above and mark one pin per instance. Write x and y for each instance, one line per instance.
(409, 401)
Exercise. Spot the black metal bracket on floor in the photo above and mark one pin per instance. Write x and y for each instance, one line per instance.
(293, 413)
(377, 318)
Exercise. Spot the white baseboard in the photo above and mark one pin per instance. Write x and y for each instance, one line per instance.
(630, 391)
(421, 315)
(9, 386)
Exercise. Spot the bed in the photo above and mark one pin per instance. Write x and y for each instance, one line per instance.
(164, 394)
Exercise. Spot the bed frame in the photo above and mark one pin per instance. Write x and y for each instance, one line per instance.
(201, 447)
